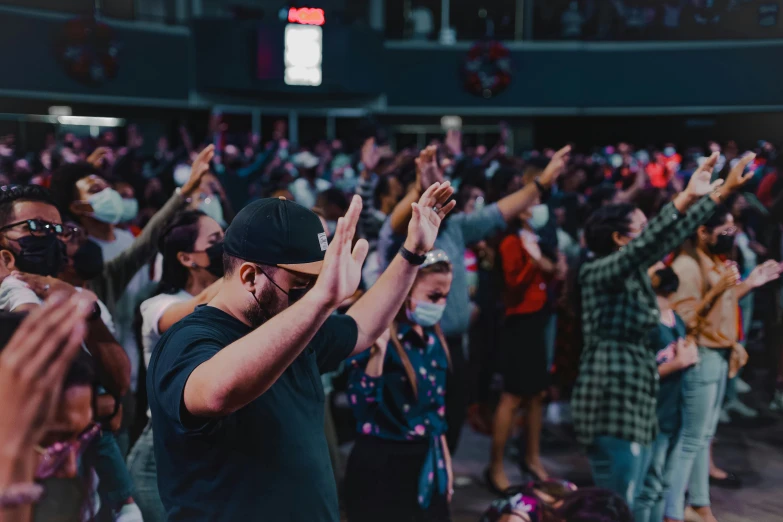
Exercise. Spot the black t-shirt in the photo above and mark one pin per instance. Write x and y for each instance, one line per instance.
(268, 460)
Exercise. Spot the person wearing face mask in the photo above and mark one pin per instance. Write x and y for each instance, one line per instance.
(42, 255)
(234, 390)
(123, 273)
(527, 274)
(400, 466)
(130, 207)
(708, 301)
(192, 249)
(614, 400)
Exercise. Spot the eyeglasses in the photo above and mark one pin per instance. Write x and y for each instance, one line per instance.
(729, 231)
(39, 227)
(54, 456)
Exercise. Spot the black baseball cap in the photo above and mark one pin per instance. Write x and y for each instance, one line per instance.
(278, 232)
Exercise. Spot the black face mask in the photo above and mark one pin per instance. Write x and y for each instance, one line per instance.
(215, 254)
(41, 255)
(723, 245)
(88, 261)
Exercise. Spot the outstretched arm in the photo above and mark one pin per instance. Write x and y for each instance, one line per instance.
(376, 309)
(242, 371)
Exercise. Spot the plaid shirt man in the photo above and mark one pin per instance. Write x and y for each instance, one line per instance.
(615, 393)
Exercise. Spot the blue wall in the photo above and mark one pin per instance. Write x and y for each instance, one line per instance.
(152, 64)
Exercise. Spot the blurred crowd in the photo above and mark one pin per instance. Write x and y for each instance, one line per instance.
(536, 244)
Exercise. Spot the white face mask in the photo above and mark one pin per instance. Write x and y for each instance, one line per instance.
(211, 207)
(106, 206)
(540, 216)
(181, 174)
(130, 209)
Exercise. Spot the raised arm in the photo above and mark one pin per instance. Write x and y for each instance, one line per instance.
(376, 309)
(118, 272)
(242, 371)
(673, 225)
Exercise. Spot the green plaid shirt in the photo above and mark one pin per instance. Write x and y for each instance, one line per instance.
(615, 393)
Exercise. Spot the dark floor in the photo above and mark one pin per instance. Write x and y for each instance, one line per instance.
(753, 450)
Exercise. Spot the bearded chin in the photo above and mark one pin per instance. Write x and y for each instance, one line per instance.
(269, 305)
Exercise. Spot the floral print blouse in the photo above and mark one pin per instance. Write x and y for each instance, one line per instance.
(385, 406)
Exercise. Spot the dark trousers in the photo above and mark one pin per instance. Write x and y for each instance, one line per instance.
(456, 393)
(382, 482)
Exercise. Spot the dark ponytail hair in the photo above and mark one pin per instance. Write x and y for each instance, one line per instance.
(718, 218)
(603, 223)
(179, 236)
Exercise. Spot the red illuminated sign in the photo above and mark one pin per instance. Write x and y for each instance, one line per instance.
(306, 16)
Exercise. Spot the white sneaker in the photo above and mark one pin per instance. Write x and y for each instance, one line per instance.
(742, 386)
(741, 409)
(777, 401)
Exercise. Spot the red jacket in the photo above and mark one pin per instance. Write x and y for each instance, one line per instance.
(526, 283)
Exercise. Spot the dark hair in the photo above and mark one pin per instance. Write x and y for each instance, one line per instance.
(605, 221)
(63, 184)
(230, 264)
(334, 196)
(665, 281)
(381, 190)
(179, 236)
(718, 218)
(81, 372)
(14, 194)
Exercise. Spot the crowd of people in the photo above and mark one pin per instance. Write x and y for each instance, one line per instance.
(176, 324)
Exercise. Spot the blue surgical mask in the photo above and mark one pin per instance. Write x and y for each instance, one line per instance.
(212, 207)
(669, 152)
(130, 209)
(426, 314)
(106, 206)
(479, 204)
(540, 216)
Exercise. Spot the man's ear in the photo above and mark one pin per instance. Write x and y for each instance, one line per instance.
(7, 260)
(249, 276)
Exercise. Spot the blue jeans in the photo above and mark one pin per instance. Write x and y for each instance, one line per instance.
(144, 471)
(618, 465)
(703, 388)
(651, 500)
(115, 485)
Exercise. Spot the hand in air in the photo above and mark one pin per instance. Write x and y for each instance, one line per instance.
(427, 216)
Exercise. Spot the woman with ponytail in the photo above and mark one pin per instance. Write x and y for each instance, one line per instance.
(192, 250)
(400, 467)
(614, 400)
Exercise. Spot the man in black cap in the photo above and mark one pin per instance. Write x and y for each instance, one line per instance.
(234, 388)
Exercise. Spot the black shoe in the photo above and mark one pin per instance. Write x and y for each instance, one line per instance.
(527, 471)
(731, 481)
(493, 488)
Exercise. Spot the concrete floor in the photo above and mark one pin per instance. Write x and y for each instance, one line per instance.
(752, 450)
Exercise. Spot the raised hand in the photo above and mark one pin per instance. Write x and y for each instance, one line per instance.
(555, 167)
(342, 268)
(729, 278)
(370, 155)
(764, 273)
(198, 169)
(700, 183)
(454, 141)
(737, 176)
(96, 158)
(427, 170)
(427, 216)
(33, 366)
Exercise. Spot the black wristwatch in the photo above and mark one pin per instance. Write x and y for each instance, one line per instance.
(542, 190)
(410, 257)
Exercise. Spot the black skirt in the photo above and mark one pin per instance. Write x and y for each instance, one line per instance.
(382, 482)
(524, 353)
